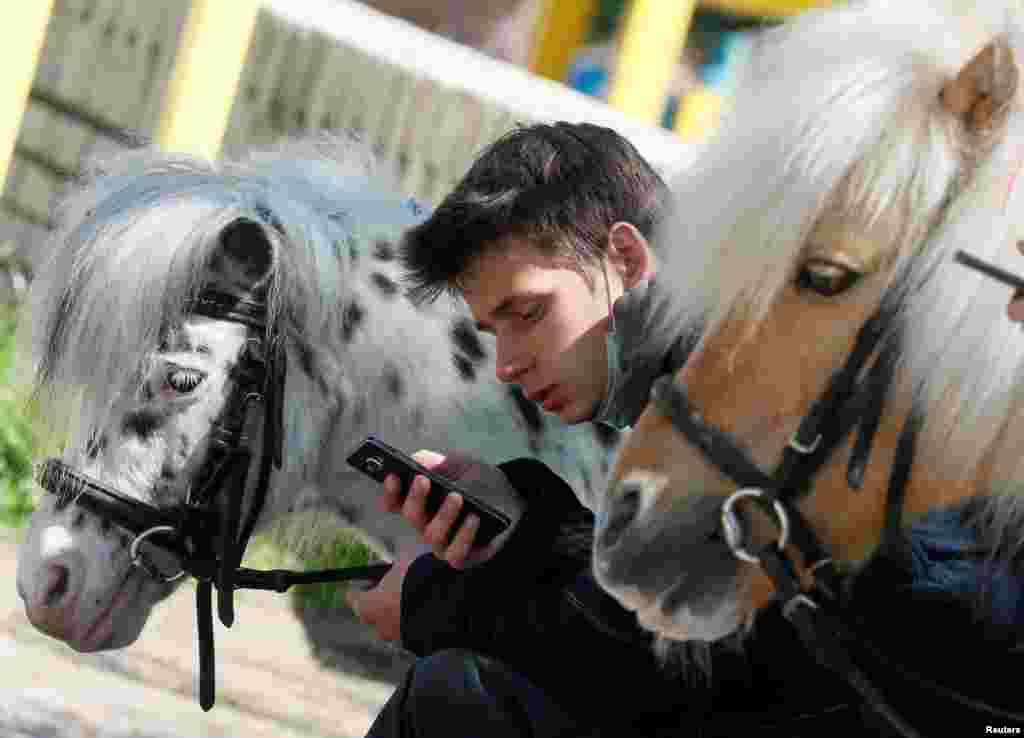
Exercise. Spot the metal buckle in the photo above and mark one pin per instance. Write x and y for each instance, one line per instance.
(140, 561)
(800, 599)
(733, 531)
(801, 448)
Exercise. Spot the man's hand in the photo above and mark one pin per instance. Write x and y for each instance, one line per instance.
(1016, 306)
(380, 607)
(482, 480)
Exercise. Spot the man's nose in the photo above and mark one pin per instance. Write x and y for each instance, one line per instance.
(510, 365)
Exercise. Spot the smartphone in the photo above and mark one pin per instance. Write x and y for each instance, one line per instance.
(990, 270)
(377, 459)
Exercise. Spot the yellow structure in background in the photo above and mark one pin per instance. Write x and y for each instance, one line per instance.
(651, 41)
(561, 30)
(650, 46)
(24, 32)
(208, 66)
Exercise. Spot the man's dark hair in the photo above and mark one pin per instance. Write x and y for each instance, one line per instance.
(562, 186)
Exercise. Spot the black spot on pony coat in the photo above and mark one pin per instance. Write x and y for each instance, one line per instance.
(384, 284)
(143, 423)
(464, 367)
(394, 382)
(467, 340)
(351, 319)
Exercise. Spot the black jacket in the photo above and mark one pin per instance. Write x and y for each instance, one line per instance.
(536, 607)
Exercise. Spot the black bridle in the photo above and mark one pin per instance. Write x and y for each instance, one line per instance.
(853, 400)
(207, 533)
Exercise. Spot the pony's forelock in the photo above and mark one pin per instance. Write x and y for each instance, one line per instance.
(134, 243)
(839, 115)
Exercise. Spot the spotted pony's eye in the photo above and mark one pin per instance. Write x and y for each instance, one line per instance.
(826, 278)
(184, 381)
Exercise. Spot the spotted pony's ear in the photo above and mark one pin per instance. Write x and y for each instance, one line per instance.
(243, 258)
(984, 87)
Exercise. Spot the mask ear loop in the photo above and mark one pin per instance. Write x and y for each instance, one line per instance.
(608, 296)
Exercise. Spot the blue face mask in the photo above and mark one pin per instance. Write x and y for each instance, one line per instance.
(614, 355)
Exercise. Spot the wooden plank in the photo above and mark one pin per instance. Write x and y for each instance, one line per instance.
(207, 68)
(248, 113)
(276, 109)
(33, 190)
(63, 19)
(319, 82)
(24, 31)
(393, 125)
(158, 44)
(77, 55)
(290, 95)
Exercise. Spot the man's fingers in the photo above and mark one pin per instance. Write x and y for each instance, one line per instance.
(391, 500)
(413, 509)
(428, 458)
(439, 529)
(461, 546)
(1016, 308)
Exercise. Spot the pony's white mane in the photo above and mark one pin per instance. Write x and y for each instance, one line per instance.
(838, 114)
(137, 242)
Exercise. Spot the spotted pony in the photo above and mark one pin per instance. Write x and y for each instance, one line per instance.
(133, 381)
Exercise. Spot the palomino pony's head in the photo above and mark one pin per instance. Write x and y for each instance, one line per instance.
(866, 144)
(135, 379)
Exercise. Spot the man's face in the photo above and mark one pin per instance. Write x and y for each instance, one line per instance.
(550, 324)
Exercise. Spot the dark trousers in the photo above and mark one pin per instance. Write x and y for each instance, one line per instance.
(460, 694)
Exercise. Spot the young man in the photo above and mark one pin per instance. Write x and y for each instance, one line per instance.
(544, 235)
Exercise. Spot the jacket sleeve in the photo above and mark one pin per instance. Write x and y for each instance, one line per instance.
(537, 609)
(477, 608)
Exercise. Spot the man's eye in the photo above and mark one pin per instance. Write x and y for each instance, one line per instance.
(534, 313)
(826, 278)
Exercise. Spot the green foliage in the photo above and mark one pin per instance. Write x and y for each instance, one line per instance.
(17, 437)
(344, 551)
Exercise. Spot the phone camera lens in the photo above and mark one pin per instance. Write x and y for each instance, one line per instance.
(373, 464)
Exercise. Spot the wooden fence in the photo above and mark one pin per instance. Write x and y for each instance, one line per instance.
(425, 103)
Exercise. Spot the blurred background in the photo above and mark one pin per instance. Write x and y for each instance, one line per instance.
(428, 83)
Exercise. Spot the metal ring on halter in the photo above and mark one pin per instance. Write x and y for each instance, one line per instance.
(733, 531)
(140, 562)
(806, 450)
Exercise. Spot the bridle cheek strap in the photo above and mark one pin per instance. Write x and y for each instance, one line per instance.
(225, 488)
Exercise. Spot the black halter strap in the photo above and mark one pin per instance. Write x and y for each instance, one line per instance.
(207, 533)
(853, 399)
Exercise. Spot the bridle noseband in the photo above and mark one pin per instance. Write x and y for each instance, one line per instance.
(213, 510)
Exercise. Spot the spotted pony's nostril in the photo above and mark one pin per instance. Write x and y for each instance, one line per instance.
(624, 507)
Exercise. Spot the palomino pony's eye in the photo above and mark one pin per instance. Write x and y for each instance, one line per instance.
(185, 380)
(826, 278)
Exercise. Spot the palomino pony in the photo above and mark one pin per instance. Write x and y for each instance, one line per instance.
(170, 283)
(854, 388)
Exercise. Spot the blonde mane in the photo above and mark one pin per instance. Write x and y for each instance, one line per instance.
(839, 115)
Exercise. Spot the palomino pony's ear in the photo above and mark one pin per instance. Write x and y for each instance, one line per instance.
(984, 87)
(244, 256)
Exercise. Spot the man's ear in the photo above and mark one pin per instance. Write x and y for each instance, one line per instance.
(630, 254)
